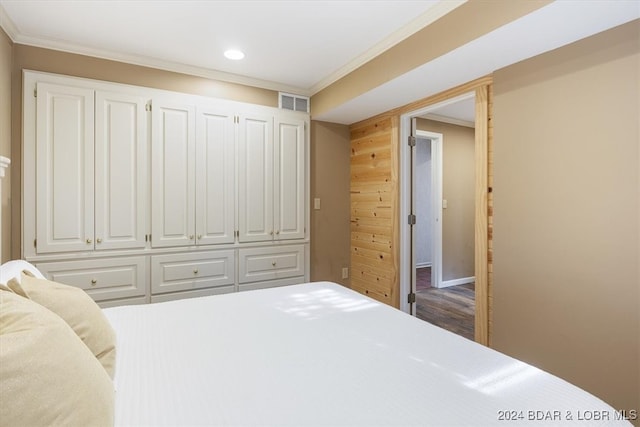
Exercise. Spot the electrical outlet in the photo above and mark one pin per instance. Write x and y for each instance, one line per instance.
(345, 273)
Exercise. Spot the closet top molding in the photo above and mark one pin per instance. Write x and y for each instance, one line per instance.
(32, 77)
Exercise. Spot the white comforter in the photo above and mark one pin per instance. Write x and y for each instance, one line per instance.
(320, 354)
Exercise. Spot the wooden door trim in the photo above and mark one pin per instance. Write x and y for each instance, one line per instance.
(481, 217)
(483, 89)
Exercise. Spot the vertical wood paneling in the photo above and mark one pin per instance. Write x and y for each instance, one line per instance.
(374, 207)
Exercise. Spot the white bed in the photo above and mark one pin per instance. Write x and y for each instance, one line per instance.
(319, 354)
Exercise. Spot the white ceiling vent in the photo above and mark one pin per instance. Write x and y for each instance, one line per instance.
(292, 102)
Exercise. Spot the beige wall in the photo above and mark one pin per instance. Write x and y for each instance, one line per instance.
(330, 226)
(566, 213)
(6, 49)
(458, 188)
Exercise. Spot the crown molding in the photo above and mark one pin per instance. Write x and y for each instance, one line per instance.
(431, 15)
(160, 64)
(434, 13)
(9, 27)
(7, 24)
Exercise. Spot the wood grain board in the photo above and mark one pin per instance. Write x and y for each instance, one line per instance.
(374, 192)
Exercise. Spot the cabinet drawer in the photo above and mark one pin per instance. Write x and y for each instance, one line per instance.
(102, 279)
(181, 272)
(257, 264)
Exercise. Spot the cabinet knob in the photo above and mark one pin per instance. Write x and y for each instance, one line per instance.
(199, 236)
(273, 263)
(93, 282)
(271, 232)
(99, 240)
(195, 271)
(190, 236)
(278, 232)
(88, 241)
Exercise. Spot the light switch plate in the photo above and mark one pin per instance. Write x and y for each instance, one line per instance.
(316, 203)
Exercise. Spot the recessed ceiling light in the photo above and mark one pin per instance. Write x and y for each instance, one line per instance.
(234, 54)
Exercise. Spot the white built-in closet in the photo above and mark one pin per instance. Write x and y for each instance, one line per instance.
(141, 195)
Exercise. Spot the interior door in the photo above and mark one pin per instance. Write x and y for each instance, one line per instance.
(413, 218)
(417, 139)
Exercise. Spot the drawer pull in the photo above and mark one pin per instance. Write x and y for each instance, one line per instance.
(271, 232)
(273, 263)
(195, 271)
(93, 282)
(99, 240)
(278, 232)
(88, 241)
(191, 236)
(199, 236)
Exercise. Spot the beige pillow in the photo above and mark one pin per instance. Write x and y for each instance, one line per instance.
(47, 375)
(76, 308)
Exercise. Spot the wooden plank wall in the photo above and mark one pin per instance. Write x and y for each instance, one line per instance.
(374, 207)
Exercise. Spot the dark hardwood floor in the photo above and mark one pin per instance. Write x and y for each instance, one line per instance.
(423, 278)
(451, 308)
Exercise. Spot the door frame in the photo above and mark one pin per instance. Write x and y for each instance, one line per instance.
(407, 276)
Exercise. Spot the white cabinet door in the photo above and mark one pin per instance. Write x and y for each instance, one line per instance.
(215, 176)
(255, 178)
(172, 171)
(64, 164)
(120, 171)
(290, 182)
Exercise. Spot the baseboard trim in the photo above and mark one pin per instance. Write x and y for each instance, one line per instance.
(456, 282)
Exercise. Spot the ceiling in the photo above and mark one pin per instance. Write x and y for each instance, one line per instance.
(298, 46)
(292, 44)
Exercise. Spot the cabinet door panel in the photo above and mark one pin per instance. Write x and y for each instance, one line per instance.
(215, 172)
(255, 180)
(120, 171)
(64, 165)
(290, 182)
(173, 157)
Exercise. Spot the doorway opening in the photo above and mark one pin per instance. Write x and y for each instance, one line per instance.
(451, 273)
(443, 182)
